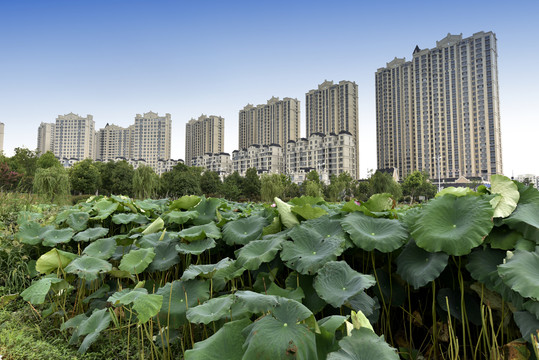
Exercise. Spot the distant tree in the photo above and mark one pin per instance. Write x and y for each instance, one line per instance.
(384, 183)
(181, 180)
(24, 162)
(271, 186)
(291, 189)
(251, 184)
(313, 176)
(85, 177)
(122, 178)
(210, 183)
(8, 179)
(341, 187)
(313, 188)
(52, 183)
(232, 187)
(145, 182)
(363, 190)
(418, 184)
(48, 160)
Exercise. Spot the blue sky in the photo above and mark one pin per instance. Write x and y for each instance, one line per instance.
(116, 58)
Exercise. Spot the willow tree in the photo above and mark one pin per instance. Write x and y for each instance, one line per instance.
(52, 183)
(271, 186)
(145, 182)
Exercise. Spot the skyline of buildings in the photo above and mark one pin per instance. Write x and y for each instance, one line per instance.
(439, 112)
(204, 135)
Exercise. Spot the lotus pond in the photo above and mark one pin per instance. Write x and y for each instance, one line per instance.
(205, 278)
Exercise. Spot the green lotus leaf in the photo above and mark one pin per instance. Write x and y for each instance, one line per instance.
(379, 203)
(154, 227)
(454, 225)
(150, 205)
(419, 267)
(25, 217)
(502, 237)
(256, 303)
(388, 288)
(200, 232)
(104, 208)
(205, 270)
(524, 219)
(136, 261)
(532, 307)
(288, 219)
(147, 306)
(53, 260)
(363, 344)
(521, 273)
(101, 248)
(257, 252)
(455, 191)
(525, 244)
(207, 211)
(508, 192)
(212, 310)
(271, 339)
(126, 296)
(91, 234)
(87, 267)
(32, 233)
(195, 247)
(527, 324)
(92, 327)
(453, 297)
(74, 322)
(351, 206)
(98, 294)
(336, 282)
(305, 282)
(244, 230)
(361, 302)
(78, 221)
(307, 200)
(57, 236)
(179, 217)
(294, 294)
(290, 311)
(273, 228)
(152, 240)
(308, 211)
(332, 323)
(128, 218)
(165, 257)
(37, 292)
(370, 233)
(226, 343)
(185, 202)
(177, 297)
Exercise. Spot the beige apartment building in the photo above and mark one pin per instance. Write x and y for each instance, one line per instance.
(333, 108)
(440, 112)
(151, 138)
(275, 122)
(327, 154)
(74, 137)
(1, 137)
(266, 159)
(45, 137)
(220, 163)
(204, 135)
(114, 142)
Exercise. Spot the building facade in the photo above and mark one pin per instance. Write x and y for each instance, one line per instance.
(114, 142)
(439, 112)
(1, 137)
(151, 138)
(204, 135)
(74, 137)
(327, 154)
(45, 137)
(333, 108)
(276, 122)
(266, 159)
(220, 163)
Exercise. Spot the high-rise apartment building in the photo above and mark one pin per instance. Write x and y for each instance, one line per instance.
(45, 137)
(439, 112)
(266, 159)
(204, 135)
(151, 137)
(114, 142)
(276, 122)
(333, 108)
(74, 137)
(1, 137)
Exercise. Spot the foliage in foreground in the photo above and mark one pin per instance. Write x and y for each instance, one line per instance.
(304, 279)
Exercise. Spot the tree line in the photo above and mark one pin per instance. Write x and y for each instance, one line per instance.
(28, 171)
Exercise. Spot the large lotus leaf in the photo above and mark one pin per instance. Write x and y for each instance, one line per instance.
(294, 294)
(456, 191)
(178, 296)
(32, 233)
(308, 212)
(157, 225)
(305, 282)
(527, 324)
(136, 261)
(87, 267)
(185, 202)
(128, 218)
(379, 202)
(147, 306)
(257, 252)
(255, 302)
(57, 236)
(363, 344)
(370, 233)
(54, 259)
(419, 267)
(508, 191)
(504, 238)
(205, 270)
(362, 302)
(179, 217)
(101, 248)
(336, 282)
(195, 247)
(307, 200)
(37, 292)
(288, 219)
(152, 240)
(272, 228)
(226, 343)
(207, 211)
(521, 273)
(212, 310)
(244, 230)
(104, 208)
(524, 219)
(449, 296)
(290, 311)
(98, 294)
(308, 253)
(92, 327)
(126, 296)
(454, 225)
(91, 234)
(532, 307)
(199, 232)
(78, 221)
(24, 217)
(272, 339)
(165, 257)
(150, 205)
